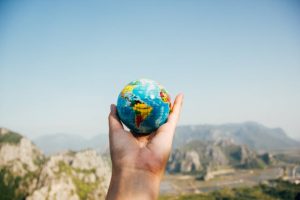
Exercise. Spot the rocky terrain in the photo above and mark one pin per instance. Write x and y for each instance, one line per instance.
(20, 165)
(201, 152)
(208, 158)
(27, 174)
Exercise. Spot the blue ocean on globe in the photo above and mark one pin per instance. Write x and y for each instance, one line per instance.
(143, 106)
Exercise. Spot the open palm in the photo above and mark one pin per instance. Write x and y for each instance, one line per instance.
(146, 153)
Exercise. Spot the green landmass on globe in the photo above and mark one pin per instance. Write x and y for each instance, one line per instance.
(143, 105)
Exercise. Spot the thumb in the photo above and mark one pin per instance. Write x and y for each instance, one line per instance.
(113, 120)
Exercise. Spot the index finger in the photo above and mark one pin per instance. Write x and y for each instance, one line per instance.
(113, 120)
(175, 113)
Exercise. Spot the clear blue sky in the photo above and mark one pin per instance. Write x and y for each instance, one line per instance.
(63, 62)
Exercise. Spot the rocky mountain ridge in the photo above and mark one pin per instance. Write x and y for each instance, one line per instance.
(256, 136)
(26, 173)
(204, 158)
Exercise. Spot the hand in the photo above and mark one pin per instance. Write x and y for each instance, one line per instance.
(138, 162)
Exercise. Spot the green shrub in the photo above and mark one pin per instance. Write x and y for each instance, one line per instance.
(9, 186)
(275, 190)
(12, 137)
(83, 189)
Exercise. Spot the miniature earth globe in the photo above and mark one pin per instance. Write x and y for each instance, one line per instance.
(143, 106)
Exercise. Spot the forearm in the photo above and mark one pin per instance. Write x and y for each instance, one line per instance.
(133, 185)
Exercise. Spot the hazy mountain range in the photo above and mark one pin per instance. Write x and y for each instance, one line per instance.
(58, 142)
(254, 135)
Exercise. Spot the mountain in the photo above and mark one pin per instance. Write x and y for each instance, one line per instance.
(210, 157)
(252, 134)
(25, 173)
(20, 162)
(51, 144)
(73, 175)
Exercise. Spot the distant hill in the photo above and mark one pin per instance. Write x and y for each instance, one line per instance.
(252, 134)
(54, 143)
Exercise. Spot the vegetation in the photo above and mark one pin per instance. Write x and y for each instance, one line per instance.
(39, 161)
(9, 186)
(234, 153)
(13, 187)
(11, 137)
(256, 163)
(289, 158)
(274, 190)
(83, 188)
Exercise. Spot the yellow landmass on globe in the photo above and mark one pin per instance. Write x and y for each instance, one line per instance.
(127, 89)
(142, 112)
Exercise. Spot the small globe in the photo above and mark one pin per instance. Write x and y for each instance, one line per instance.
(143, 106)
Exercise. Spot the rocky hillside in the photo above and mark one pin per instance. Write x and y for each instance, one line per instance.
(20, 165)
(71, 175)
(252, 134)
(202, 157)
(25, 173)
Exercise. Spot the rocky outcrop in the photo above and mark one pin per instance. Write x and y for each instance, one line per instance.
(24, 153)
(71, 175)
(267, 158)
(184, 162)
(4, 131)
(20, 162)
(25, 173)
(209, 157)
(191, 162)
(215, 155)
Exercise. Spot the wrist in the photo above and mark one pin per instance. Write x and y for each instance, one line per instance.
(145, 184)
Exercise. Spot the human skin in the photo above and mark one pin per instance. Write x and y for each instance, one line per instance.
(138, 162)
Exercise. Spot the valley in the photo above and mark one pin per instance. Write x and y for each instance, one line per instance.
(206, 162)
(186, 184)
